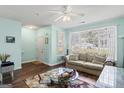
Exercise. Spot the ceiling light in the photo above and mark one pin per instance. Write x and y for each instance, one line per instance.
(66, 18)
(31, 27)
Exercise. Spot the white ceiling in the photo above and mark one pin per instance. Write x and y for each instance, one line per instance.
(27, 14)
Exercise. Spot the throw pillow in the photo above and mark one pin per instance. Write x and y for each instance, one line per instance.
(90, 57)
(83, 57)
(73, 57)
(99, 60)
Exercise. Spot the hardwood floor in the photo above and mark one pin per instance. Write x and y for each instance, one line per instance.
(30, 69)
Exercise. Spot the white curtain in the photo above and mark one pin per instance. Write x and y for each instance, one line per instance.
(100, 38)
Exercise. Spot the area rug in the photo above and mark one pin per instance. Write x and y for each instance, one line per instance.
(43, 81)
(6, 86)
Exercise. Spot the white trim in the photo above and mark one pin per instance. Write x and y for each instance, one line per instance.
(28, 61)
(44, 63)
(56, 63)
(51, 64)
(94, 28)
(116, 42)
(16, 68)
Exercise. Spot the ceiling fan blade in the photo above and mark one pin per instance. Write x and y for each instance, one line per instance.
(82, 22)
(69, 8)
(58, 18)
(55, 11)
(74, 14)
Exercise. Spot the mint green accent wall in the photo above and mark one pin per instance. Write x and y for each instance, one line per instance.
(53, 45)
(55, 55)
(11, 28)
(51, 56)
(28, 45)
(119, 22)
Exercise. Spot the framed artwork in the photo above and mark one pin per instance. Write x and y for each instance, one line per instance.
(46, 40)
(10, 39)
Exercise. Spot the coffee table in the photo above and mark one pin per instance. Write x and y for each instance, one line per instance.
(111, 77)
(55, 79)
(43, 80)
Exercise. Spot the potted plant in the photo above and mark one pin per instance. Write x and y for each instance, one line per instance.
(6, 66)
(4, 57)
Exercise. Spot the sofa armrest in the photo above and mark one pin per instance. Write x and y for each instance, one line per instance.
(66, 58)
(110, 63)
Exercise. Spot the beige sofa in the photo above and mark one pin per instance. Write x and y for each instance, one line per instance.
(89, 63)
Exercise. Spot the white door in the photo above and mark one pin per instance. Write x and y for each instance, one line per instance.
(40, 46)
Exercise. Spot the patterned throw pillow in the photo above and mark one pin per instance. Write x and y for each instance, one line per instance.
(73, 57)
(83, 57)
(90, 57)
(99, 60)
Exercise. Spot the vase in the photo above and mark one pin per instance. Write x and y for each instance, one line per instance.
(3, 61)
(7, 63)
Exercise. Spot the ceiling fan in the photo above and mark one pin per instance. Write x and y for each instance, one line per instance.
(66, 14)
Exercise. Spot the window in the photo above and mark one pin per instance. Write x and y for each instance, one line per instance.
(60, 42)
(101, 40)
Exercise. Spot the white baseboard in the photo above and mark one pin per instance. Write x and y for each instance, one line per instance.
(51, 64)
(42, 62)
(55, 64)
(17, 68)
(28, 61)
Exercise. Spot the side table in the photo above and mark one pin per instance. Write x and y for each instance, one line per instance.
(6, 67)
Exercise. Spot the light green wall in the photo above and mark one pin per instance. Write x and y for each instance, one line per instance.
(54, 39)
(51, 54)
(53, 45)
(119, 22)
(42, 33)
(11, 28)
(28, 45)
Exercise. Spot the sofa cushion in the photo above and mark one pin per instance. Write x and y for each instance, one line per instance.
(90, 57)
(83, 57)
(73, 57)
(94, 66)
(76, 63)
(99, 60)
(84, 64)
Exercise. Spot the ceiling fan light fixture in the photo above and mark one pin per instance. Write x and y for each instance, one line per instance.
(31, 27)
(66, 14)
(66, 18)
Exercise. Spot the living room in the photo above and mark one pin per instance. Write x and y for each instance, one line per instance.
(61, 46)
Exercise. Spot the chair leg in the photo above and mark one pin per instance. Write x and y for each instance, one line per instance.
(12, 74)
(1, 79)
